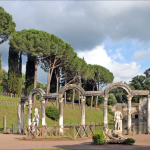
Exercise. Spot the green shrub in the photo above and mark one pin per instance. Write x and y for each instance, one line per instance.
(52, 112)
(110, 111)
(129, 141)
(112, 99)
(30, 88)
(99, 139)
(1, 89)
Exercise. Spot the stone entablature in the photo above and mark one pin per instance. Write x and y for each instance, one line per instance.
(140, 92)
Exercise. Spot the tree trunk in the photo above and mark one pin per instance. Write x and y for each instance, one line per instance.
(96, 102)
(57, 86)
(73, 98)
(51, 74)
(48, 77)
(35, 80)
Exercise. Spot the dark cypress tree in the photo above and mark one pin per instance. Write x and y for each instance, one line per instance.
(14, 71)
(19, 75)
(30, 70)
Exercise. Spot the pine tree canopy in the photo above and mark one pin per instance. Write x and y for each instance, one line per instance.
(7, 26)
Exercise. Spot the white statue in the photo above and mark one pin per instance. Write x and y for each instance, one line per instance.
(36, 118)
(118, 120)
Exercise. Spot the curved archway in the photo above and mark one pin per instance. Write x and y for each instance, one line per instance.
(118, 84)
(129, 97)
(70, 87)
(61, 92)
(37, 90)
(41, 92)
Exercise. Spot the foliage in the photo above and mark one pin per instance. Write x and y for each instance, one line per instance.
(88, 100)
(29, 76)
(41, 85)
(100, 100)
(7, 26)
(99, 139)
(23, 80)
(112, 100)
(140, 83)
(120, 95)
(1, 89)
(110, 111)
(0, 70)
(29, 89)
(52, 112)
(15, 71)
(129, 141)
(98, 77)
(4, 80)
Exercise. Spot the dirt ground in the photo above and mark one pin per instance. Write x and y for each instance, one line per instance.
(12, 141)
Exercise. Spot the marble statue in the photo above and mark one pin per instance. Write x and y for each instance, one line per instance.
(118, 120)
(36, 118)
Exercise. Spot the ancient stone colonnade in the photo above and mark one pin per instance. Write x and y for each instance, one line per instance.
(27, 101)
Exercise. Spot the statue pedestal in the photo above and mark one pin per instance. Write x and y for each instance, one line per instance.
(118, 132)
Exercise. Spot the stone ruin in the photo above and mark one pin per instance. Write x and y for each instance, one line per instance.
(27, 101)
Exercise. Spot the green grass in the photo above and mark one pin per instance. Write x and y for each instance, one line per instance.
(5, 98)
(71, 116)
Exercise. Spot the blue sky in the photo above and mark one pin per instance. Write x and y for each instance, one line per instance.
(114, 34)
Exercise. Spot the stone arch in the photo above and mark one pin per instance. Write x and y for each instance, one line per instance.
(37, 90)
(71, 87)
(41, 92)
(129, 97)
(118, 84)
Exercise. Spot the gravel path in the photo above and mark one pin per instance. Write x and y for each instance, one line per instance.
(11, 141)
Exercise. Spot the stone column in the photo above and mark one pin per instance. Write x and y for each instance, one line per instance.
(19, 119)
(105, 113)
(61, 115)
(148, 114)
(129, 97)
(4, 125)
(43, 112)
(30, 112)
(82, 115)
(65, 100)
(83, 110)
(22, 118)
(79, 99)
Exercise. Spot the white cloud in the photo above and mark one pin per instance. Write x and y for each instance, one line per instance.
(122, 71)
(118, 55)
(110, 51)
(141, 55)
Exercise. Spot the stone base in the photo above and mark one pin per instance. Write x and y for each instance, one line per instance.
(147, 132)
(119, 132)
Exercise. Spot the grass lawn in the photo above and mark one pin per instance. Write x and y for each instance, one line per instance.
(71, 116)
